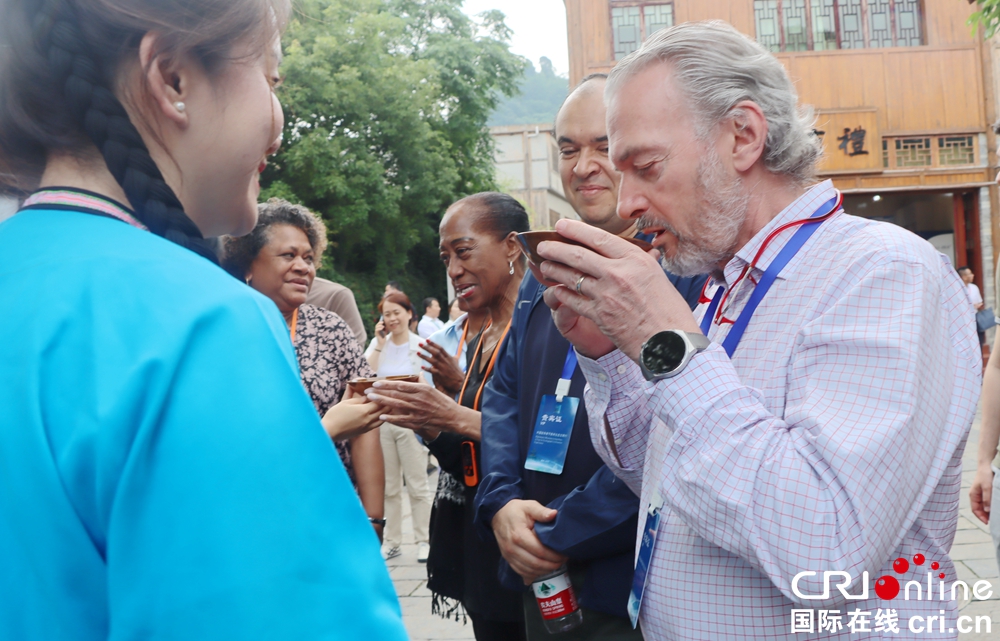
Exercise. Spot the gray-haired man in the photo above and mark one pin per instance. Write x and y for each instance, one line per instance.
(821, 429)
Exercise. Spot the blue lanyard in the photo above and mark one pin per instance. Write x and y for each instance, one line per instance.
(562, 387)
(791, 248)
(570, 365)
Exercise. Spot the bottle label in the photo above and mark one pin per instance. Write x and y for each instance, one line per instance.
(555, 597)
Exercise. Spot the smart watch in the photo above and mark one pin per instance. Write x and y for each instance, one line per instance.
(666, 353)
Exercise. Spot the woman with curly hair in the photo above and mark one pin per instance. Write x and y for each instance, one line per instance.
(163, 474)
(279, 259)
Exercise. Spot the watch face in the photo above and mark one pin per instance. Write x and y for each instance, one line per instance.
(664, 352)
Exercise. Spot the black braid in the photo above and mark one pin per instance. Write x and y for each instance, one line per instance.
(107, 124)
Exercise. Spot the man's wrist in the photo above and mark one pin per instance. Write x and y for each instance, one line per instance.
(667, 353)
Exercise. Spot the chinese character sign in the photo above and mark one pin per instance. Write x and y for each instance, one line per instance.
(850, 140)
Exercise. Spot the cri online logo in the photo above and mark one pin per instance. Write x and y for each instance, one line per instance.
(887, 586)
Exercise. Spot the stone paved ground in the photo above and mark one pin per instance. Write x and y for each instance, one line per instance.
(410, 579)
(972, 552)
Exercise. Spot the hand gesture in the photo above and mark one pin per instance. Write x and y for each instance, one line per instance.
(448, 376)
(415, 406)
(351, 417)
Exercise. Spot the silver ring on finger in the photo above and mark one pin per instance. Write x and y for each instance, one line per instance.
(579, 284)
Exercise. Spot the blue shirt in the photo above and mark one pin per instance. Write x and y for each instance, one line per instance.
(163, 473)
(448, 338)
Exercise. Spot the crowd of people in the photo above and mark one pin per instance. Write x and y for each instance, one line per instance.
(776, 390)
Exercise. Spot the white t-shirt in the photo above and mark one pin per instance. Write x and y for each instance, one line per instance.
(395, 360)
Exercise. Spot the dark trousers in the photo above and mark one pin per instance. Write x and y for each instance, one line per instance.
(597, 626)
(487, 630)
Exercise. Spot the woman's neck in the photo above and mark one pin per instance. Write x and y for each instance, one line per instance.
(288, 315)
(477, 320)
(400, 338)
(88, 173)
(503, 307)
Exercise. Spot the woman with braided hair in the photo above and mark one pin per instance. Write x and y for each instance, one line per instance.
(145, 488)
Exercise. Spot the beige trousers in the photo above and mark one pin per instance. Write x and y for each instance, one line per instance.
(405, 458)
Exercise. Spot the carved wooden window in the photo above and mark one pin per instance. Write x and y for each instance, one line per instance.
(633, 22)
(918, 152)
(815, 25)
(913, 152)
(956, 150)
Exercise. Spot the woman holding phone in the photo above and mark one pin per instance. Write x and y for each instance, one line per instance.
(145, 492)
(395, 352)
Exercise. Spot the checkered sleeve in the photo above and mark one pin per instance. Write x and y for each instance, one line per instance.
(838, 479)
(615, 398)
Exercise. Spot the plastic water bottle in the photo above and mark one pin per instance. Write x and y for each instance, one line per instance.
(557, 601)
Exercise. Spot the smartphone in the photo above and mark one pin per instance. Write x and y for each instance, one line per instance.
(469, 466)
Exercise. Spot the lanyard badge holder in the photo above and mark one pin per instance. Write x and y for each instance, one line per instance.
(554, 425)
(641, 575)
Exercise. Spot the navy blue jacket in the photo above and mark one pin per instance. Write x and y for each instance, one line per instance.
(597, 513)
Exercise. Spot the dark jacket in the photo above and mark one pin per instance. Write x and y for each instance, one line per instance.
(597, 513)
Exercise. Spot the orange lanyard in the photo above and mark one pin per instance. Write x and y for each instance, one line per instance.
(465, 332)
(295, 321)
(489, 368)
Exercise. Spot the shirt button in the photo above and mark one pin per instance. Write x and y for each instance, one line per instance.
(621, 369)
(618, 441)
(602, 377)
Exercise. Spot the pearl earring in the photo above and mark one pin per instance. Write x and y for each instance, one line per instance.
(180, 106)
(511, 268)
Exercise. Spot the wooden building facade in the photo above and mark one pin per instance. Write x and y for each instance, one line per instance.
(904, 95)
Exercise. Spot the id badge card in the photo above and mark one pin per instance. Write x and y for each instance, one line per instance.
(553, 428)
(641, 575)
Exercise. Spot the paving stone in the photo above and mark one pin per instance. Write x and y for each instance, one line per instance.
(981, 550)
(971, 535)
(984, 568)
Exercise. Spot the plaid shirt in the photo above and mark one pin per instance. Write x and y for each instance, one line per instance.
(831, 440)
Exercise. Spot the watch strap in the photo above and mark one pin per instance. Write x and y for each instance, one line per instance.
(699, 340)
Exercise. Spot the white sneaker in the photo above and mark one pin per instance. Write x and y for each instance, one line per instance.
(423, 550)
(390, 553)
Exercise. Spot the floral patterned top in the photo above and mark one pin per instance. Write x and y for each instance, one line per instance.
(329, 355)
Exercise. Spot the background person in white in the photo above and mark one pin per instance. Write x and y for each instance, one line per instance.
(431, 322)
(975, 297)
(395, 352)
(832, 439)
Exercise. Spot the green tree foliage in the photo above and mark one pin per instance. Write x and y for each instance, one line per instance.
(540, 96)
(386, 104)
(987, 14)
